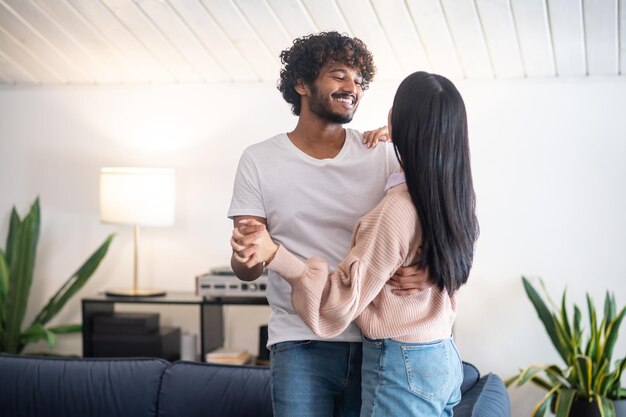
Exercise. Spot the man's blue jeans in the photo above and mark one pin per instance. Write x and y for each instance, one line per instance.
(312, 378)
(410, 379)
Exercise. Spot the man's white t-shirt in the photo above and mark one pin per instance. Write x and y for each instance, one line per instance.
(311, 206)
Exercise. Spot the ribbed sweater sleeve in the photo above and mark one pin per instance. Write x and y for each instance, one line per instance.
(329, 302)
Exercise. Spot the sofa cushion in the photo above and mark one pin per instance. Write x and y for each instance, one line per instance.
(487, 398)
(193, 389)
(43, 386)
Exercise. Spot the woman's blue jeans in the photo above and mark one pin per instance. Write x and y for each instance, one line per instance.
(410, 379)
(312, 378)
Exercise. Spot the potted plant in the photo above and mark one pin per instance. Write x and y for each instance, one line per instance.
(17, 263)
(588, 384)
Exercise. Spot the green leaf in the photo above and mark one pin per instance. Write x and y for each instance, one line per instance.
(542, 383)
(21, 251)
(13, 238)
(605, 406)
(66, 328)
(609, 307)
(16, 274)
(73, 284)
(4, 288)
(578, 333)
(531, 374)
(613, 380)
(511, 380)
(525, 375)
(612, 333)
(601, 338)
(592, 345)
(542, 407)
(564, 343)
(37, 332)
(558, 375)
(564, 400)
(564, 318)
(584, 369)
(601, 375)
(545, 316)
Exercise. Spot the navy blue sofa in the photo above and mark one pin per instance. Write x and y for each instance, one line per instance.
(145, 387)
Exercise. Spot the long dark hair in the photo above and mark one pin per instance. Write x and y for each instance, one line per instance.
(429, 131)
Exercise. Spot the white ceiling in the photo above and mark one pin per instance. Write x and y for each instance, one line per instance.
(51, 42)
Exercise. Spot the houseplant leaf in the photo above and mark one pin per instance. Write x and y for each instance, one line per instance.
(37, 332)
(66, 328)
(21, 251)
(73, 284)
(592, 344)
(609, 307)
(4, 287)
(600, 377)
(545, 316)
(614, 391)
(564, 400)
(526, 374)
(578, 332)
(562, 342)
(16, 273)
(605, 406)
(586, 377)
(612, 333)
(564, 317)
(584, 370)
(542, 407)
(541, 383)
(13, 238)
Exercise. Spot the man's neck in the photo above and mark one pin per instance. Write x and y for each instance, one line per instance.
(318, 138)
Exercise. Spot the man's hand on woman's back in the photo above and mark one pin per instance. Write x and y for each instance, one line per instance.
(410, 280)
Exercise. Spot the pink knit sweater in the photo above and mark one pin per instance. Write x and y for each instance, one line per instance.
(385, 239)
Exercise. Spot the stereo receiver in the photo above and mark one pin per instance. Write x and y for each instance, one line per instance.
(222, 282)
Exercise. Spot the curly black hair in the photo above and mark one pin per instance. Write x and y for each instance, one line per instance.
(308, 54)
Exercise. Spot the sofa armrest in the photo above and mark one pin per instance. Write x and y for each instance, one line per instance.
(487, 398)
(470, 377)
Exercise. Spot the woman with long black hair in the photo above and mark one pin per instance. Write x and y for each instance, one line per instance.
(410, 363)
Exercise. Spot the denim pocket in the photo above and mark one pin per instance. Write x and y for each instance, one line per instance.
(284, 346)
(427, 368)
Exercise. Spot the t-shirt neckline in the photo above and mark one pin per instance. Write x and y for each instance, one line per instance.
(304, 155)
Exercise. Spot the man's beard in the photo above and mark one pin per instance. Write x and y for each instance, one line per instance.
(318, 105)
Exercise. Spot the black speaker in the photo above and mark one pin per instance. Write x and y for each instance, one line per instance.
(264, 353)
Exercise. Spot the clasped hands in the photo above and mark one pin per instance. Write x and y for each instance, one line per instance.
(253, 245)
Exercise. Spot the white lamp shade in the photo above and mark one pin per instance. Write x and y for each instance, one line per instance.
(138, 196)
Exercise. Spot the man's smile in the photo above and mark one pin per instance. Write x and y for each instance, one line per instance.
(348, 100)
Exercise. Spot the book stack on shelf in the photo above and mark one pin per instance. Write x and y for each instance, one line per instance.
(228, 356)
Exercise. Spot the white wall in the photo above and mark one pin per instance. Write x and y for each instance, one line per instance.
(549, 172)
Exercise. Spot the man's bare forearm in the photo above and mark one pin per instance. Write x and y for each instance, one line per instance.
(243, 272)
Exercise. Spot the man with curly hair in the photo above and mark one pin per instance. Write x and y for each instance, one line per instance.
(310, 187)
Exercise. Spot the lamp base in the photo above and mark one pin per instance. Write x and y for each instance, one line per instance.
(139, 292)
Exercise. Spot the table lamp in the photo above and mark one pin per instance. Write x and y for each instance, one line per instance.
(138, 197)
